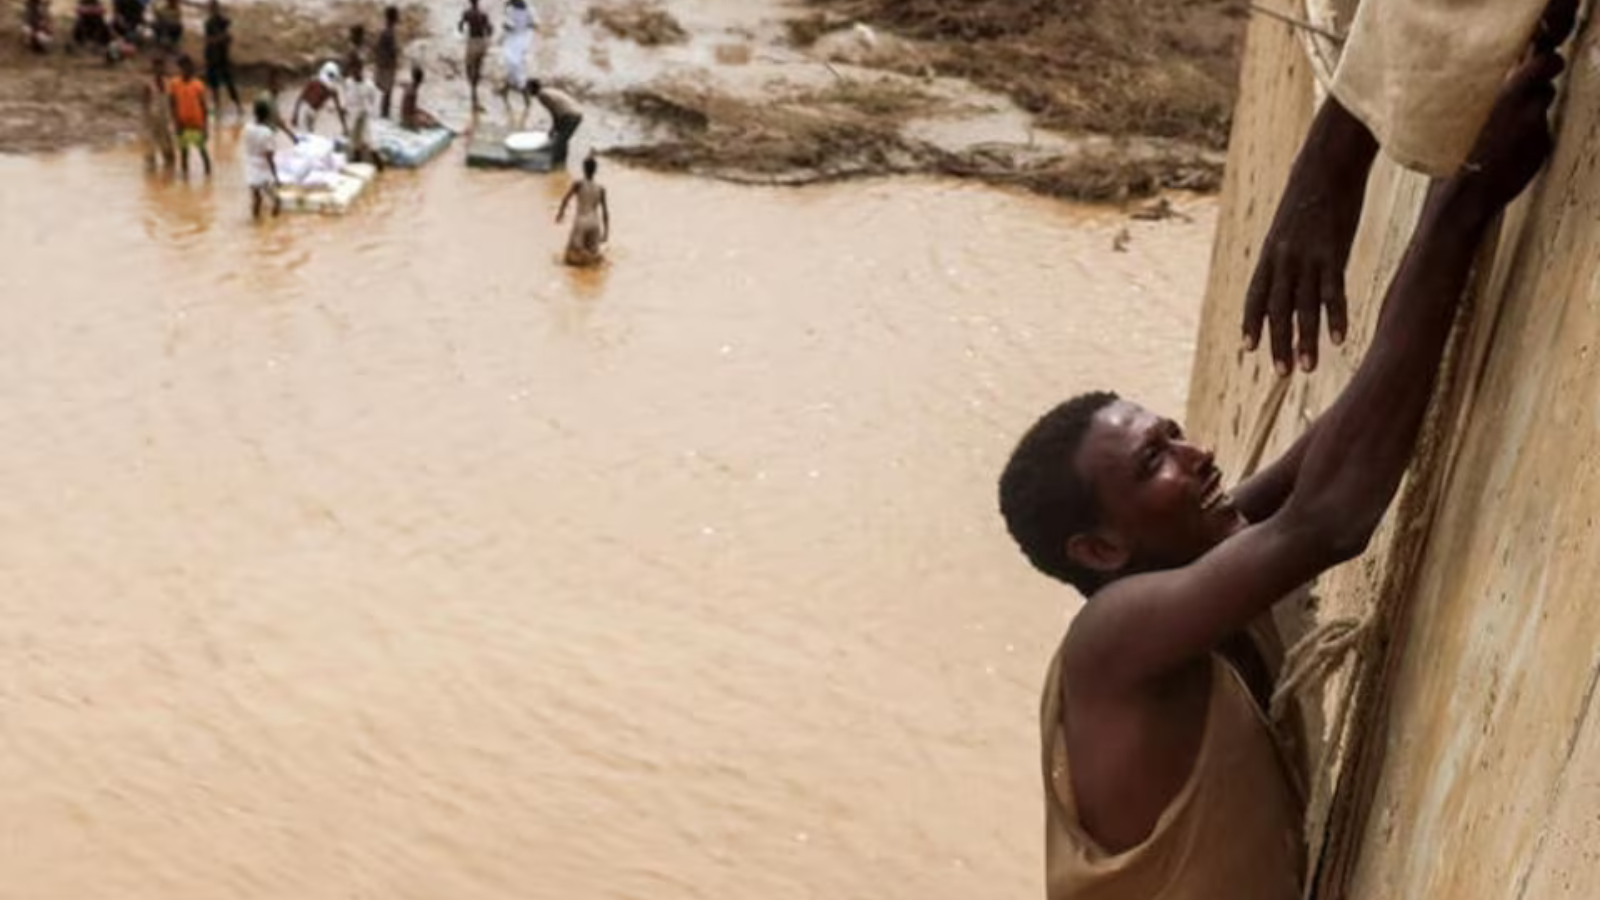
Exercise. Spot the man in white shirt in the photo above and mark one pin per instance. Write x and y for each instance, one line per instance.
(260, 172)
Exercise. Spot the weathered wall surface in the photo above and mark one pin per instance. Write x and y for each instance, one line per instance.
(1490, 775)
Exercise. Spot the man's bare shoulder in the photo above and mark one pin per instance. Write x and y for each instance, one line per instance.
(1088, 650)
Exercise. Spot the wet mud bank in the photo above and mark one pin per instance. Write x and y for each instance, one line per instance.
(1092, 102)
(1088, 104)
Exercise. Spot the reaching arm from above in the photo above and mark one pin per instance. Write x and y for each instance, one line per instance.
(1299, 274)
(1300, 271)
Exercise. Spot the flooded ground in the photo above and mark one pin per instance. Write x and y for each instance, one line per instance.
(761, 92)
(382, 557)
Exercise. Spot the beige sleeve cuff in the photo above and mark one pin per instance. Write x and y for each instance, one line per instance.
(1423, 74)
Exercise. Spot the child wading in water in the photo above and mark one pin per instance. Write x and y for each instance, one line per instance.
(190, 114)
(260, 171)
(592, 225)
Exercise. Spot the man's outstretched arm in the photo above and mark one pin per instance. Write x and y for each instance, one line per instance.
(1144, 626)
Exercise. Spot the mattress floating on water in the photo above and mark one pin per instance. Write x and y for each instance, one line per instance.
(527, 151)
(408, 149)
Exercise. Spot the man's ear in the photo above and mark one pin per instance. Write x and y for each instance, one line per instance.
(1097, 551)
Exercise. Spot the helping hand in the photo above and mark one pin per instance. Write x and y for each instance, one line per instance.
(1301, 268)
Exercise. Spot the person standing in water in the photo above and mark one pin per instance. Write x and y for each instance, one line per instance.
(190, 114)
(260, 171)
(565, 117)
(315, 95)
(157, 116)
(361, 102)
(475, 22)
(386, 58)
(591, 227)
(270, 95)
(219, 57)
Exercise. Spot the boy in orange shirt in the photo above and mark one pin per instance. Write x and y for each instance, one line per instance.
(190, 114)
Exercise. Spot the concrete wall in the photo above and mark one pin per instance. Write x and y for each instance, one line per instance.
(1489, 784)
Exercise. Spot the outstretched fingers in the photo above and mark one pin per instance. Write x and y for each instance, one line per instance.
(1308, 317)
(1280, 316)
(1255, 304)
(1334, 301)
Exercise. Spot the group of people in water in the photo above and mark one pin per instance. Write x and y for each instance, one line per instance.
(358, 87)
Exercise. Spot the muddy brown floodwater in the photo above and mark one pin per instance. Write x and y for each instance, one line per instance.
(382, 557)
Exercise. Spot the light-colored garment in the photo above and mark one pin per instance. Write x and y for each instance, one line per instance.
(1232, 833)
(360, 97)
(518, 41)
(362, 103)
(330, 75)
(1423, 74)
(257, 142)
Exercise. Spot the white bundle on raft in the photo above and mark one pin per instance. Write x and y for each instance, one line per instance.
(313, 162)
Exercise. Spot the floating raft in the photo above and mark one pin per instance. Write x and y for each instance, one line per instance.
(488, 149)
(405, 149)
(335, 197)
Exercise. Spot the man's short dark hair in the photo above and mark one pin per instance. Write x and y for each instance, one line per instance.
(1044, 499)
